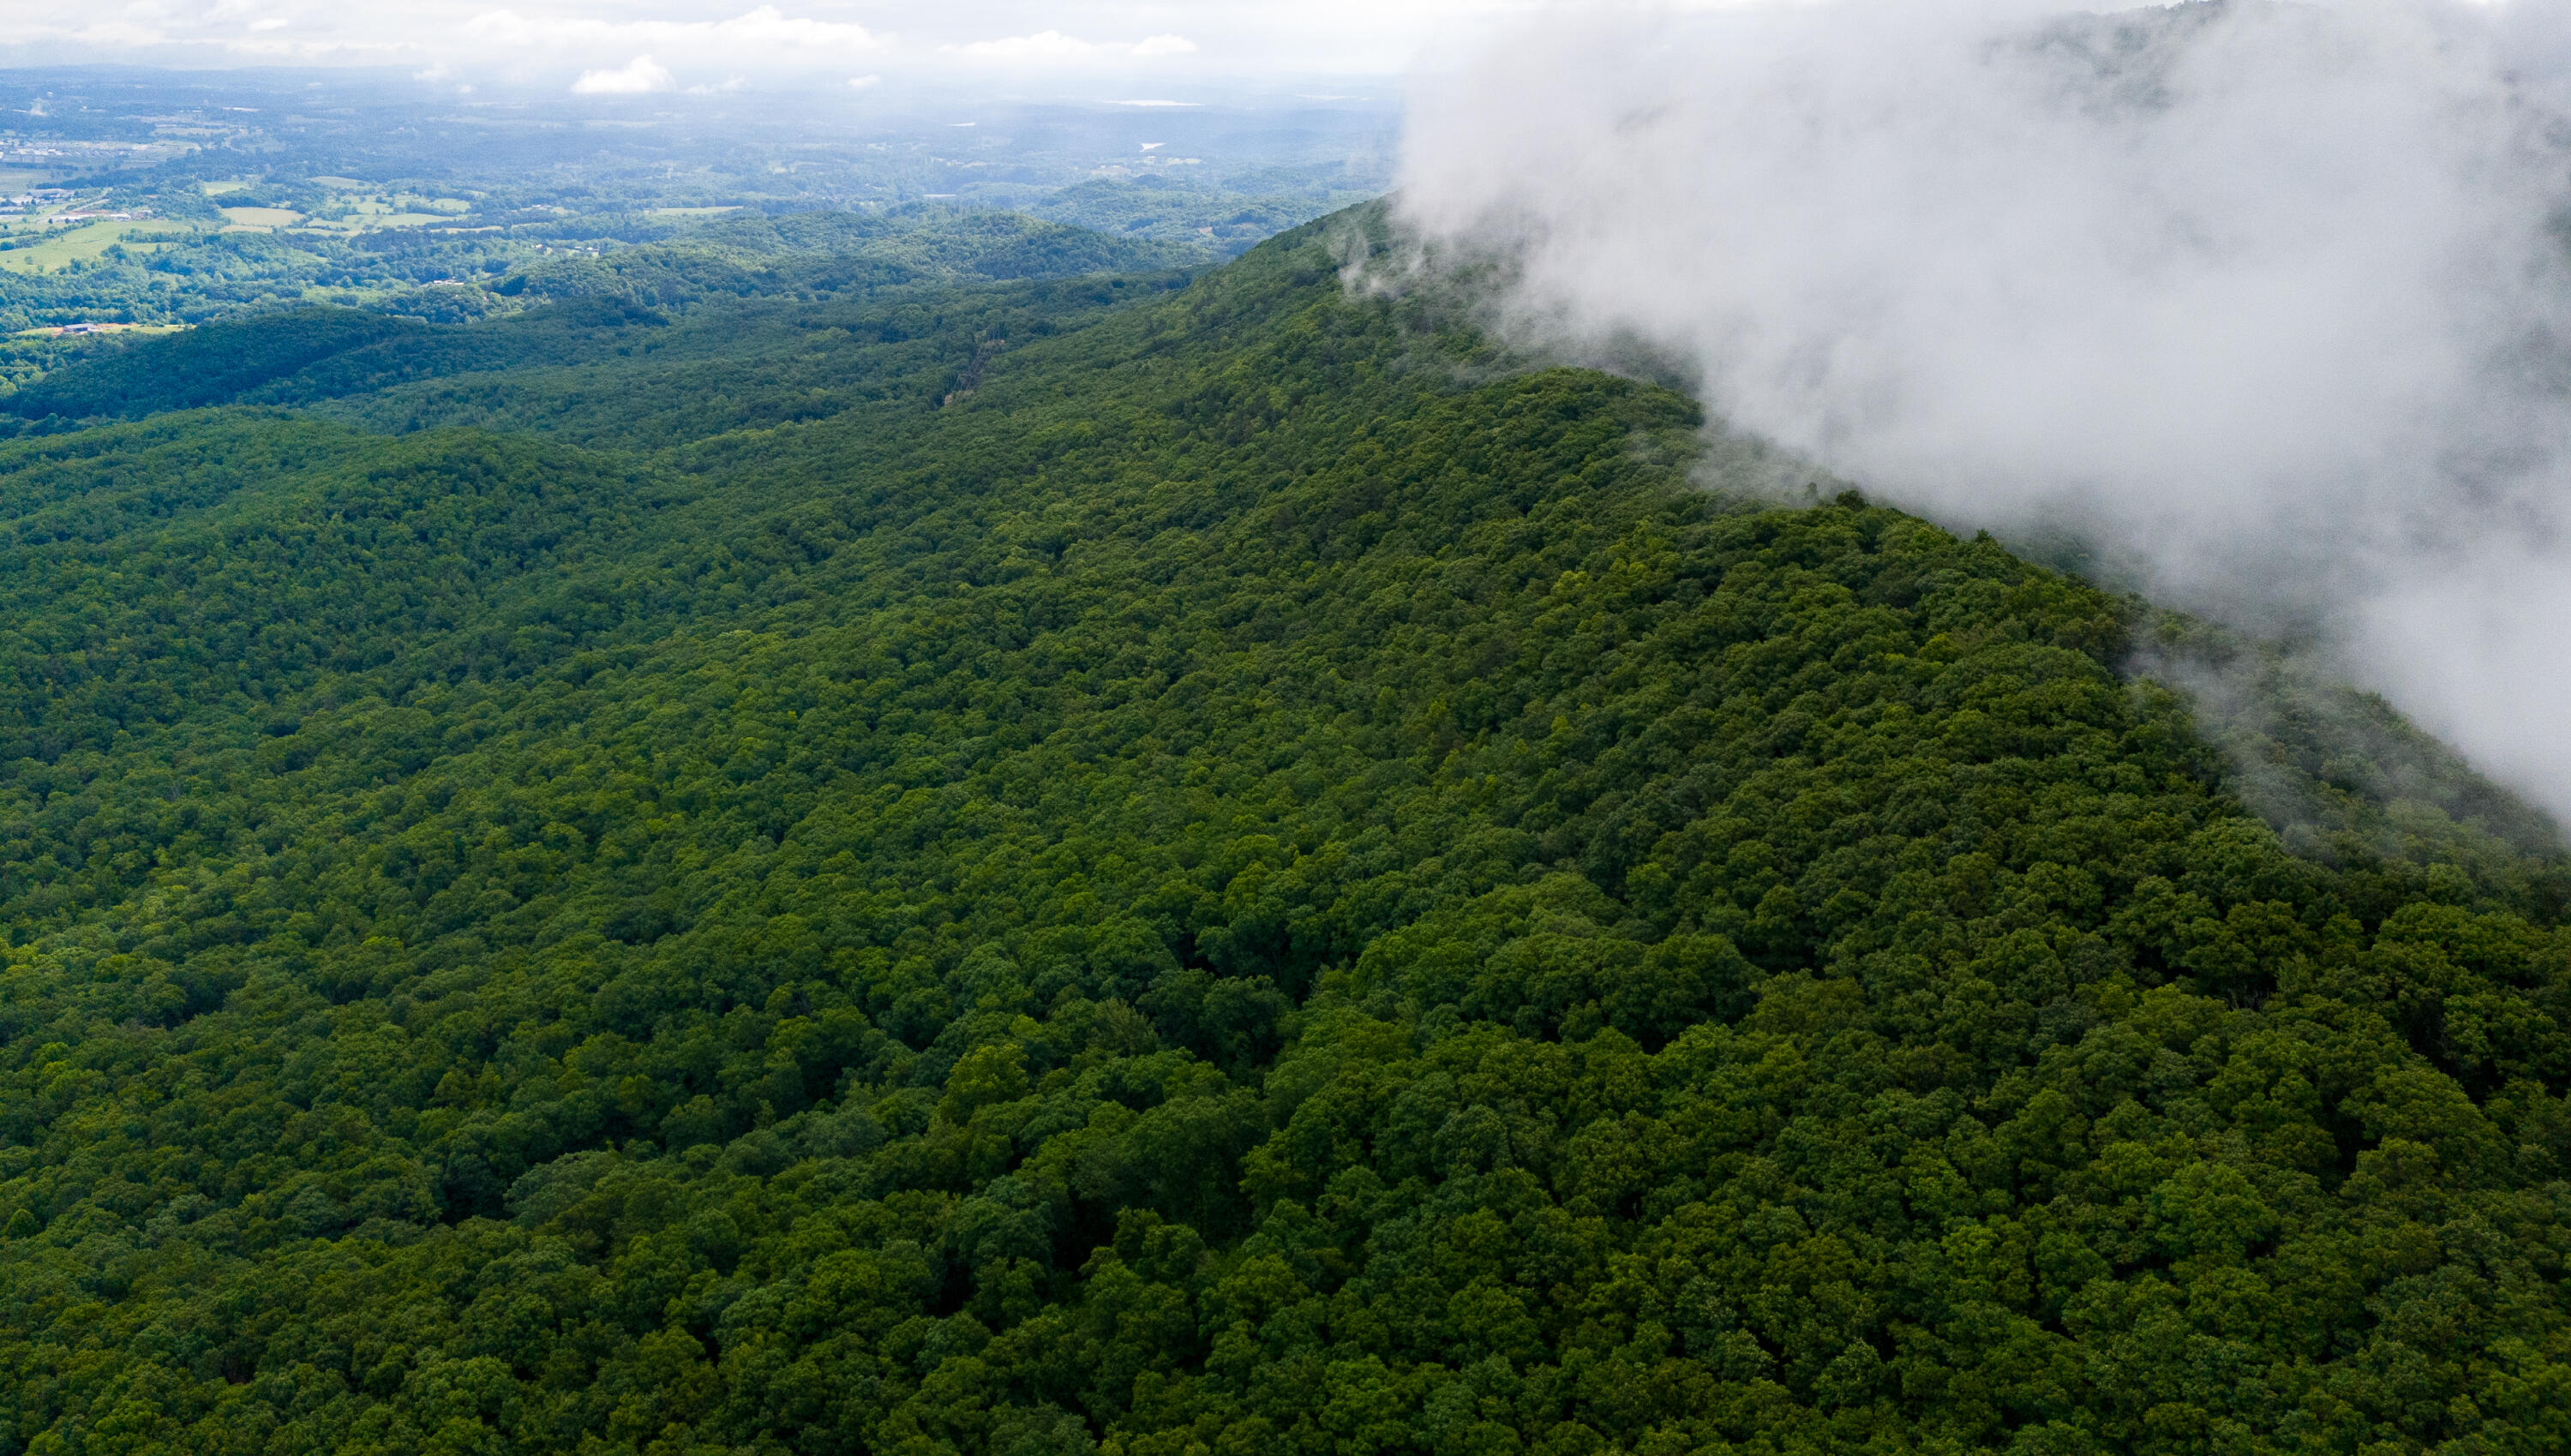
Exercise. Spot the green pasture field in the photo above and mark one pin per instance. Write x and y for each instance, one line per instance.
(63, 246)
(264, 217)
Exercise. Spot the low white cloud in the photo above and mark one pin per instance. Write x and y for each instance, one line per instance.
(1047, 44)
(32, 33)
(765, 40)
(819, 41)
(1054, 48)
(860, 82)
(634, 77)
(765, 27)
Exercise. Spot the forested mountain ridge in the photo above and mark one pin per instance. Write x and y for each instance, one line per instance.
(448, 275)
(586, 311)
(1200, 877)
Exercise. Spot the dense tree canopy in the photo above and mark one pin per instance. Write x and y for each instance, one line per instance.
(1179, 873)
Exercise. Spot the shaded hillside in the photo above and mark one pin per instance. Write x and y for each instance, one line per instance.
(558, 365)
(215, 365)
(1192, 884)
(565, 309)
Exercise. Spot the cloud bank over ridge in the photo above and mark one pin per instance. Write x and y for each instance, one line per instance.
(2271, 302)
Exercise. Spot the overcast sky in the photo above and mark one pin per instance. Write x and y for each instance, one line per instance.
(1073, 45)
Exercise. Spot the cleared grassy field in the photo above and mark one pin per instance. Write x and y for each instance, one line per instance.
(261, 216)
(56, 332)
(344, 215)
(54, 246)
(402, 211)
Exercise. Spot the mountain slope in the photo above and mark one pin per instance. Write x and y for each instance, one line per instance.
(400, 373)
(1215, 885)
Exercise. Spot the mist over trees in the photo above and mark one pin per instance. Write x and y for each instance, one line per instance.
(2263, 302)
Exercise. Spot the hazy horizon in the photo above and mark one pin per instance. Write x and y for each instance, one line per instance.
(1059, 51)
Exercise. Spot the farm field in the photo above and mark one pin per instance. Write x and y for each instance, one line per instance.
(348, 208)
(261, 218)
(132, 328)
(29, 249)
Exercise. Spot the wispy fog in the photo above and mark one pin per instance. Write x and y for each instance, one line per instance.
(2269, 303)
